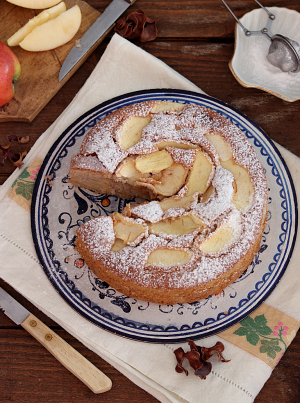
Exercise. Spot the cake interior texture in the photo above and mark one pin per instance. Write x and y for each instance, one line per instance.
(205, 203)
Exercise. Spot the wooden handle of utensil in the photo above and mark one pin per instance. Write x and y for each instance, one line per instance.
(67, 356)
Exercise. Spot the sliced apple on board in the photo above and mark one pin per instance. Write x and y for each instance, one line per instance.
(177, 226)
(53, 33)
(40, 19)
(242, 184)
(36, 4)
(164, 257)
(198, 179)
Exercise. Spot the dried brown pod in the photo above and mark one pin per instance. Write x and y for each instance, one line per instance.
(197, 358)
(14, 137)
(207, 352)
(19, 159)
(15, 157)
(137, 25)
(24, 139)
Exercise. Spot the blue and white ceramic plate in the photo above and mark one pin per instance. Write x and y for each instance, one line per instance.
(58, 208)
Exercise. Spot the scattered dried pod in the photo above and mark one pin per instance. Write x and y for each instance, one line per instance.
(19, 159)
(23, 140)
(15, 157)
(13, 137)
(197, 358)
(137, 25)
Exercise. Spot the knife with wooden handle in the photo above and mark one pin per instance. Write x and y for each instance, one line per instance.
(71, 359)
(94, 35)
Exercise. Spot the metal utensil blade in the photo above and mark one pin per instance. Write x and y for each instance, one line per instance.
(12, 308)
(91, 36)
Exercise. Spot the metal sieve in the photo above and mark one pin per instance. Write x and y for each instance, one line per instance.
(284, 53)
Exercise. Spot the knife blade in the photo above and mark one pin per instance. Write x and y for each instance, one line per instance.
(91, 37)
(70, 358)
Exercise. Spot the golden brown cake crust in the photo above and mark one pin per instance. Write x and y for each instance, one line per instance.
(225, 215)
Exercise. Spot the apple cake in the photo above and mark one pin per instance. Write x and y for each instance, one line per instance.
(205, 209)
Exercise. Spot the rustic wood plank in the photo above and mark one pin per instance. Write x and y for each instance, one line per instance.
(195, 19)
(283, 385)
(46, 380)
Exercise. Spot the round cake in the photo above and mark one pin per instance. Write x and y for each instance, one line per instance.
(205, 206)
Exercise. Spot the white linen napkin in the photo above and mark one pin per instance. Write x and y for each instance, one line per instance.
(124, 68)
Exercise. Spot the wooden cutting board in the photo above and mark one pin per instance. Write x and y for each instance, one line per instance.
(38, 81)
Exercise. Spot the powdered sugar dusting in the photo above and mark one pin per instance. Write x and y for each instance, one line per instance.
(98, 234)
(173, 212)
(110, 153)
(87, 162)
(183, 157)
(184, 241)
(220, 201)
(151, 212)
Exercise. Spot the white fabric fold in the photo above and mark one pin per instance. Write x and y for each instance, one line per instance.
(125, 68)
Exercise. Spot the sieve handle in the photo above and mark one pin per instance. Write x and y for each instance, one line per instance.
(265, 31)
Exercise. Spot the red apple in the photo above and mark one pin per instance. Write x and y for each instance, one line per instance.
(10, 70)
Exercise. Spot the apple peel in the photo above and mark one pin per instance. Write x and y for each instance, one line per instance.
(10, 70)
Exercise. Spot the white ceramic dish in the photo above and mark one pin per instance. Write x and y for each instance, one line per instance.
(249, 64)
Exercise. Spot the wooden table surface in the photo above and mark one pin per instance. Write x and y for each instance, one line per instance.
(195, 38)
